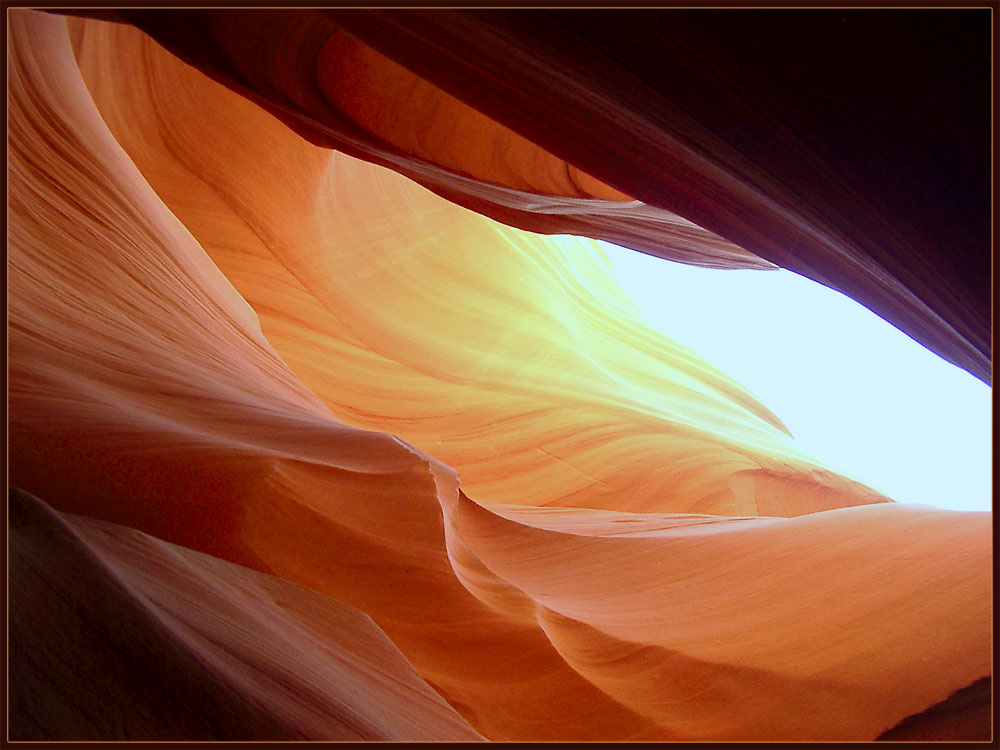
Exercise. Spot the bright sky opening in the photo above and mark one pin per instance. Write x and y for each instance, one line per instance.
(856, 393)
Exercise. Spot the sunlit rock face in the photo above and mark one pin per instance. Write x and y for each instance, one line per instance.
(326, 434)
(870, 176)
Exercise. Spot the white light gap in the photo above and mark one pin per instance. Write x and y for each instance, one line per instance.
(856, 393)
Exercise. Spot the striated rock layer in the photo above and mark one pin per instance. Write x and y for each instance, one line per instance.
(350, 461)
(734, 121)
(526, 387)
(174, 644)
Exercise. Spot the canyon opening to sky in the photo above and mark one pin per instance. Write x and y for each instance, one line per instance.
(333, 414)
(842, 379)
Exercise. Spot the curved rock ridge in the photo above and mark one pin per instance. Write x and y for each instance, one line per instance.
(142, 393)
(527, 387)
(738, 122)
(677, 595)
(250, 348)
(734, 121)
(343, 94)
(193, 646)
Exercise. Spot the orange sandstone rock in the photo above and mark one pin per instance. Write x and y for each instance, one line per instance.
(313, 380)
